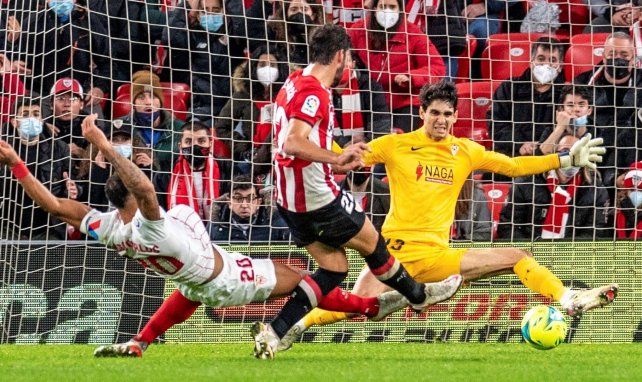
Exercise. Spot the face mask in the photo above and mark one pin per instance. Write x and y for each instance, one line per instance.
(636, 198)
(195, 155)
(544, 74)
(580, 121)
(62, 8)
(146, 118)
(387, 18)
(569, 172)
(212, 23)
(124, 150)
(267, 75)
(30, 128)
(297, 24)
(360, 177)
(618, 68)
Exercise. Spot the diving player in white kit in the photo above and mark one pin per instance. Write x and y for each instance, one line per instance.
(175, 245)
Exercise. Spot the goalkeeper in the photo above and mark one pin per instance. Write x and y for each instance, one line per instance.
(426, 170)
(176, 245)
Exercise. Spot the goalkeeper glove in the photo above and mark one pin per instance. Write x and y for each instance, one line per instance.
(584, 153)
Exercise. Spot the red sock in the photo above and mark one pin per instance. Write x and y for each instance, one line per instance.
(174, 310)
(339, 300)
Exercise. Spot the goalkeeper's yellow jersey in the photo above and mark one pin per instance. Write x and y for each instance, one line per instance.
(426, 176)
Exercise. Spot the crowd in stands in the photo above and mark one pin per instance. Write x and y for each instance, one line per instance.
(184, 88)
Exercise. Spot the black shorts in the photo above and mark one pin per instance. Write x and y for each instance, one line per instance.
(333, 225)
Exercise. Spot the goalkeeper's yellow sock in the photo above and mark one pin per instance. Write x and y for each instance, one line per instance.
(539, 279)
(323, 317)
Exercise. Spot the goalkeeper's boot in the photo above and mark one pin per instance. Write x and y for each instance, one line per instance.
(587, 299)
(131, 348)
(439, 292)
(265, 340)
(293, 335)
(389, 302)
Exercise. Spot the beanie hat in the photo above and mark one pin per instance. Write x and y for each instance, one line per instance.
(146, 81)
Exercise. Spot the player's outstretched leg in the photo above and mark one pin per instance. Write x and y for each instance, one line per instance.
(131, 348)
(588, 299)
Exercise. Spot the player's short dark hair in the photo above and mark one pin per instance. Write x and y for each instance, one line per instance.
(579, 90)
(441, 91)
(116, 191)
(242, 183)
(326, 41)
(548, 44)
(194, 126)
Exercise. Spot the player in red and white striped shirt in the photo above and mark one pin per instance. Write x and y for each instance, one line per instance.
(323, 218)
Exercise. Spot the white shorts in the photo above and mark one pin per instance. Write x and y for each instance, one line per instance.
(241, 281)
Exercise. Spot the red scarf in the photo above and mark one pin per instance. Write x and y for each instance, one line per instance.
(351, 116)
(557, 215)
(263, 126)
(181, 186)
(624, 232)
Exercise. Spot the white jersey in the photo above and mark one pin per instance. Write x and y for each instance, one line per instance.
(178, 248)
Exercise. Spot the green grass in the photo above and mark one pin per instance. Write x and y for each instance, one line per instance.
(328, 363)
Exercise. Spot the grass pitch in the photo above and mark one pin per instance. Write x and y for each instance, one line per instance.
(328, 363)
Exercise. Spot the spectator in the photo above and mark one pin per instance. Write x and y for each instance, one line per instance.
(399, 56)
(473, 221)
(523, 106)
(131, 147)
(611, 15)
(202, 43)
(372, 194)
(154, 125)
(245, 122)
(573, 117)
(196, 176)
(484, 19)
(614, 82)
(45, 158)
(446, 27)
(629, 147)
(66, 100)
(244, 219)
(561, 204)
(11, 86)
(64, 40)
(361, 111)
(628, 215)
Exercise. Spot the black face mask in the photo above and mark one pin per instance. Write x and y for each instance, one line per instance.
(297, 24)
(617, 68)
(195, 155)
(360, 177)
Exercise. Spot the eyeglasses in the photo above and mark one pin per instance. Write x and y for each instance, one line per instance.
(245, 199)
(67, 98)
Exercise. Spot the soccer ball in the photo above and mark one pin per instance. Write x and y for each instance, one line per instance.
(544, 327)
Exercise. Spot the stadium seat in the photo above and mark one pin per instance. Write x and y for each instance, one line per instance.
(584, 53)
(463, 68)
(516, 36)
(496, 197)
(503, 60)
(475, 99)
(220, 149)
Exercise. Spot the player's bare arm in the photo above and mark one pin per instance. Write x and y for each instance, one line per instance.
(67, 210)
(133, 178)
(297, 144)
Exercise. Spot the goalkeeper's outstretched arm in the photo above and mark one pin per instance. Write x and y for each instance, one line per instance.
(133, 177)
(67, 210)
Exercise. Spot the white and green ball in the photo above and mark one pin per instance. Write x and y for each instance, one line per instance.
(544, 327)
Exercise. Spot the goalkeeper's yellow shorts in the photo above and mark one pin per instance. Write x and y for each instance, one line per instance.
(429, 263)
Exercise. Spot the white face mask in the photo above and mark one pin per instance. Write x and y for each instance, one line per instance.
(267, 75)
(569, 172)
(636, 198)
(387, 18)
(544, 74)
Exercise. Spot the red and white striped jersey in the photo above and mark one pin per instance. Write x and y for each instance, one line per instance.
(301, 185)
(176, 247)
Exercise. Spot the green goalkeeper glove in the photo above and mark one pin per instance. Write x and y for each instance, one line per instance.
(584, 153)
